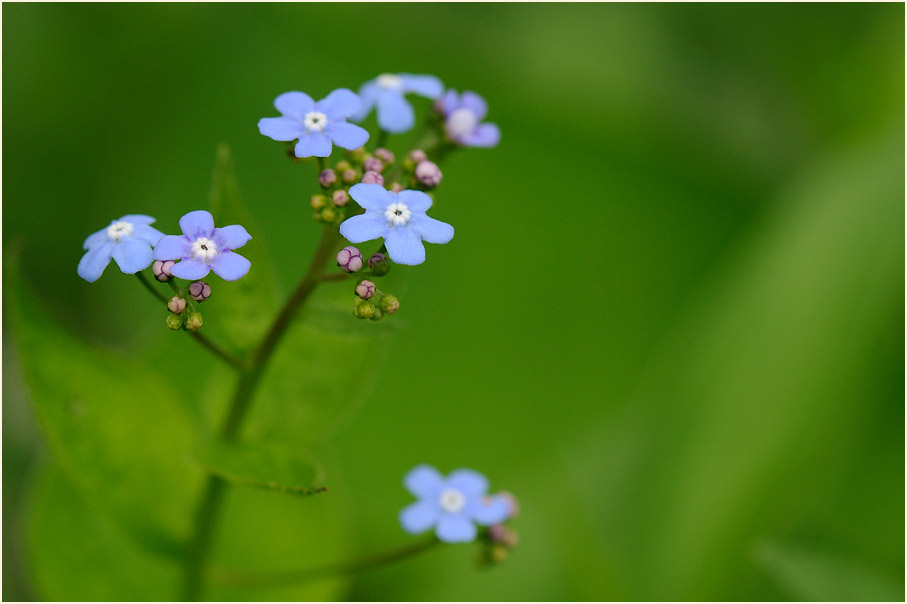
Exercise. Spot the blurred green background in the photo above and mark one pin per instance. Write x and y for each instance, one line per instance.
(671, 321)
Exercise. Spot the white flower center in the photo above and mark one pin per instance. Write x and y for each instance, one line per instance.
(315, 121)
(204, 249)
(389, 81)
(397, 214)
(118, 230)
(461, 122)
(452, 501)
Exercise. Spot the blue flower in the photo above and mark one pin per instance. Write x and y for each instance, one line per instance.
(202, 248)
(386, 91)
(316, 125)
(453, 505)
(397, 217)
(462, 115)
(127, 240)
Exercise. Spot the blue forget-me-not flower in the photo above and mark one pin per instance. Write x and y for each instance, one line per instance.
(395, 114)
(397, 217)
(462, 116)
(452, 505)
(202, 248)
(127, 240)
(316, 125)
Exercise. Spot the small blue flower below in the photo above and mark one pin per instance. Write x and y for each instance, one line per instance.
(395, 114)
(397, 217)
(127, 240)
(202, 248)
(452, 505)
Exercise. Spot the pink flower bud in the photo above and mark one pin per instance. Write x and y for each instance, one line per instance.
(371, 177)
(384, 155)
(365, 289)
(428, 174)
(327, 178)
(176, 305)
(416, 156)
(373, 164)
(396, 187)
(161, 269)
(199, 291)
(340, 198)
(349, 259)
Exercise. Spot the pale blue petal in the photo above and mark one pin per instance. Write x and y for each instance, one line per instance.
(469, 482)
(137, 219)
(372, 197)
(190, 269)
(198, 223)
(425, 85)
(314, 144)
(281, 128)
(404, 246)
(294, 104)
(363, 227)
(489, 512)
(455, 529)
(339, 105)
(486, 135)
(132, 255)
(171, 247)
(368, 95)
(449, 102)
(431, 230)
(394, 112)
(472, 101)
(419, 517)
(147, 233)
(417, 201)
(229, 266)
(424, 482)
(95, 260)
(348, 136)
(96, 239)
(231, 237)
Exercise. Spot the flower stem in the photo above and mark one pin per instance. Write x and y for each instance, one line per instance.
(295, 577)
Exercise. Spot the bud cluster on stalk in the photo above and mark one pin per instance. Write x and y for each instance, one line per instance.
(371, 303)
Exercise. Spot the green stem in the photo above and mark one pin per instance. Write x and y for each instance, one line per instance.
(295, 577)
(382, 138)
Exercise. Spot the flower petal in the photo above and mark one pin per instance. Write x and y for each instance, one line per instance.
(348, 136)
(368, 95)
(469, 482)
(171, 247)
(394, 112)
(132, 254)
(490, 512)
(449, 102)
(294, 104)
(475, 103)
(281, 128)
(363, 227)
(424, 482)
(340, 104)
(425, 85)
(190, 269)
(198, 223)
(486, 135)
(313, 144)
(137, 219)
(419, 517)
(95, 260)
(455, 529)
(417, 201)
(96, 239)
(373, 197)
(147, 233)
(229, 266)
(231, 237)
(431, 230)
(404, 246)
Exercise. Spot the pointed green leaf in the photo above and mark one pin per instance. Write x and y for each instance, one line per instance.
(262, 466)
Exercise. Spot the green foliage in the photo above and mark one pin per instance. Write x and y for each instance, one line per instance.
(263, 466)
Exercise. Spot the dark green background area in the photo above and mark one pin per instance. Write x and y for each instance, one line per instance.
(670, 322)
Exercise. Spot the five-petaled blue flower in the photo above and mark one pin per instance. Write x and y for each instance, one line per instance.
(315, 124)
(202, 248)
(127, 240)
(462, 115)
(453, 505)
(386, 91)
(397, 217)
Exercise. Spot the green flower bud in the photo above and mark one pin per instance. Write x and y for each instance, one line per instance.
(318, 201)
(389, 304)
(174, 322)
(342, 166)
(194, 321)
(365, 309)
(379, 314)
(357, 155)
(379, 264)
(328, 214)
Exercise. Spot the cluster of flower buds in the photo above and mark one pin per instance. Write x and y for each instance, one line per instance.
(359, 166)
(499, 539)
(423, 173)
(371, 303)
(183, 314)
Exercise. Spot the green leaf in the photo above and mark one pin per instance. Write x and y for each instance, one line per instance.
(246, 307)
(262, 466)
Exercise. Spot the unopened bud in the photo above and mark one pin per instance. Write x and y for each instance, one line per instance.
(365, 289)
(371, 177)
(340, 198)
(199, 291)
(379, 264)
(365, 309)
(327, 178)
(350, 176)
(174, 322)
(428, 174)
(318, 201)
(417, 156)
(373, 164)
(357, 155)
(328, 214)
(396, 187)
(389, 303)
(498, 533)
(194, 321)
(342, 166)
(385, 155)
(161, 269)
(176, 304)
(349, 259)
